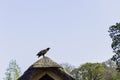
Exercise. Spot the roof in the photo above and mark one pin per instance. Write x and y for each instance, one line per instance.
(42, 64)
(45, 62)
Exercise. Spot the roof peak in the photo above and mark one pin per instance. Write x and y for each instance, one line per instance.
(45, 62)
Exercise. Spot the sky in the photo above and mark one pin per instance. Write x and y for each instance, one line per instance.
(75, 30)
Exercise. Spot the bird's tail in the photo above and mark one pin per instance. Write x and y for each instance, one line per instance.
(39, 55)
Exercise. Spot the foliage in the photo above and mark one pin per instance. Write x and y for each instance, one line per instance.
(89, 71)
(76, 74)
(92, 71)
(13, 71)
(110, 67)
(68, 67)
(115, 36)
(117, 76)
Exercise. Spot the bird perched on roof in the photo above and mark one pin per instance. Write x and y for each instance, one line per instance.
(43, 52)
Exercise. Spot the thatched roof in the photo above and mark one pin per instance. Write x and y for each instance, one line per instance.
(45, 64)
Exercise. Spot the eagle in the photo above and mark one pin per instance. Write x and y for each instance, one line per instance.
(43, 52)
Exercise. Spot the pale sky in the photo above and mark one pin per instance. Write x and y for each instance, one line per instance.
(75, 30)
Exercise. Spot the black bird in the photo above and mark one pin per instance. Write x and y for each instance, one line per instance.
(43, 52)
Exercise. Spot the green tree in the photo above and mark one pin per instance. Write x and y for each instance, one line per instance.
(76, 74)
(117, 77)
(111, 72)
(91, 71)
(114, 32)
(13, 71)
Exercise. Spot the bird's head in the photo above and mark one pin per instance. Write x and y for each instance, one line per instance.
(48, 48)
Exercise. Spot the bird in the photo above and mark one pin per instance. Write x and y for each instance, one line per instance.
(43, 52)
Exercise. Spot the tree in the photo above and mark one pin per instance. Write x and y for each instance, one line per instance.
(117, 76)
(71, 70)
(111, 72)
(91, 71)
(68, 67)
(13, 71)
(114, 33)
(76, 74)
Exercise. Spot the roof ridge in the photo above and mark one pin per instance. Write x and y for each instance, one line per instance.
(45, 62)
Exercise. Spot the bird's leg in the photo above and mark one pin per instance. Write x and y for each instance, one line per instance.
(43, 55)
